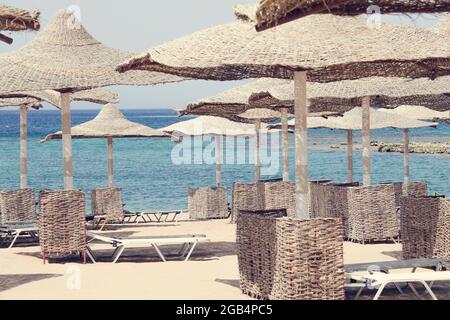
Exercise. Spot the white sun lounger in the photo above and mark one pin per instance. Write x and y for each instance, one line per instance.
(380, 280)
(12, 230)
(152, 216)
(188, 242)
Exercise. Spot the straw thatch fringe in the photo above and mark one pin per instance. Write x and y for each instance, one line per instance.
(17, 205)
(338, 97)
(208, 203)
(13, 19)
(15, 102)
(425, 227)
(306, 44)
(271, 13)
(289, 259)
(62, 223)
(65, 57)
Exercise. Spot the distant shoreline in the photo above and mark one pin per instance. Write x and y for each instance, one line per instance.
(435, 148)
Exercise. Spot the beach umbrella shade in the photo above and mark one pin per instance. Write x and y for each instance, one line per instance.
(215, 126)
(419, 113)
(66, 58)
(110, 123)
(237, 100)
(272, 13)
(34, 100)
(303, 50)
(14, 19)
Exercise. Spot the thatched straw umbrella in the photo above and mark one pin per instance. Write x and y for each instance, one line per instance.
(419, 112)
(214, 126)
(34, 100)
(272, 13)
(109, 123)
(379, 119)
(238, 100)
(303, 50)
(14, 19)
(66, 58)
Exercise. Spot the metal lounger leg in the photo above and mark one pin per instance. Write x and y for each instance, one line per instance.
(427, 287)
(379, 292)
(182, 250)
(14, 239)
(117, 253)
(190, 251)
(159, 252)
(90, 254)
(358, 294)
(414, 291)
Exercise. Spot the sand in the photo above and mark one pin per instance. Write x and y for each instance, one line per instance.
(212, 272)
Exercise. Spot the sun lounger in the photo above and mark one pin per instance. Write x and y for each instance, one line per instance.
(155, 216)
(188, 242)
(11, 231)
(380, 280)
(384, 267)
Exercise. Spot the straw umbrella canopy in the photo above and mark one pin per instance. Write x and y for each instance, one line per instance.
(379, 119)
(34, 100)
(307, 44)
(110, 123)
(303, 50)
(419, 112)
(66, 58)
(14, 19)
(271, 13)
(214, 126)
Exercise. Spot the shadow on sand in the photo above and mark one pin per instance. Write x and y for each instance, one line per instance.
(10, 281)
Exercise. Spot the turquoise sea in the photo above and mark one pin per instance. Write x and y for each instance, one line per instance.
(151, 181)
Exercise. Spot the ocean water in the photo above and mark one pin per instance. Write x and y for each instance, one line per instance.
(146, 171)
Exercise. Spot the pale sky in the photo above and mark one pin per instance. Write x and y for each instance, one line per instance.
(137, 25)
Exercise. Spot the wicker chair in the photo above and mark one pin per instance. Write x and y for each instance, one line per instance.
(17, 206)
(263, 195)
(369, 213)
(425, 227)
(208, 203)
(107, 206)
(62, 223)
(283, 258)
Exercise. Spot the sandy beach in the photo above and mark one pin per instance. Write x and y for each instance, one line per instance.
(212, 272)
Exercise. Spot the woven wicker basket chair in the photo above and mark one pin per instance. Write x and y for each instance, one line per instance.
(263, 195)
(368, 213)
(271, 244)
(62, 223)
(208, 203)
(107, 206)
(425, 227)
(17, 206)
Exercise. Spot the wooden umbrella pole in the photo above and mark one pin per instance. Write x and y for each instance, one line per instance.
(257, 151)
(23, 147)
(366, 140)
(301, 147)
(350, 156)
(66, 140)
(285, 143)
(110, 163)
(406, 161)
(218, 160)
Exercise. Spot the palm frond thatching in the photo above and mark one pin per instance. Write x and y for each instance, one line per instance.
(65, 57)
(271, 13)
(330, 48)
(14, 19)
(110, 122)
(326, 97)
